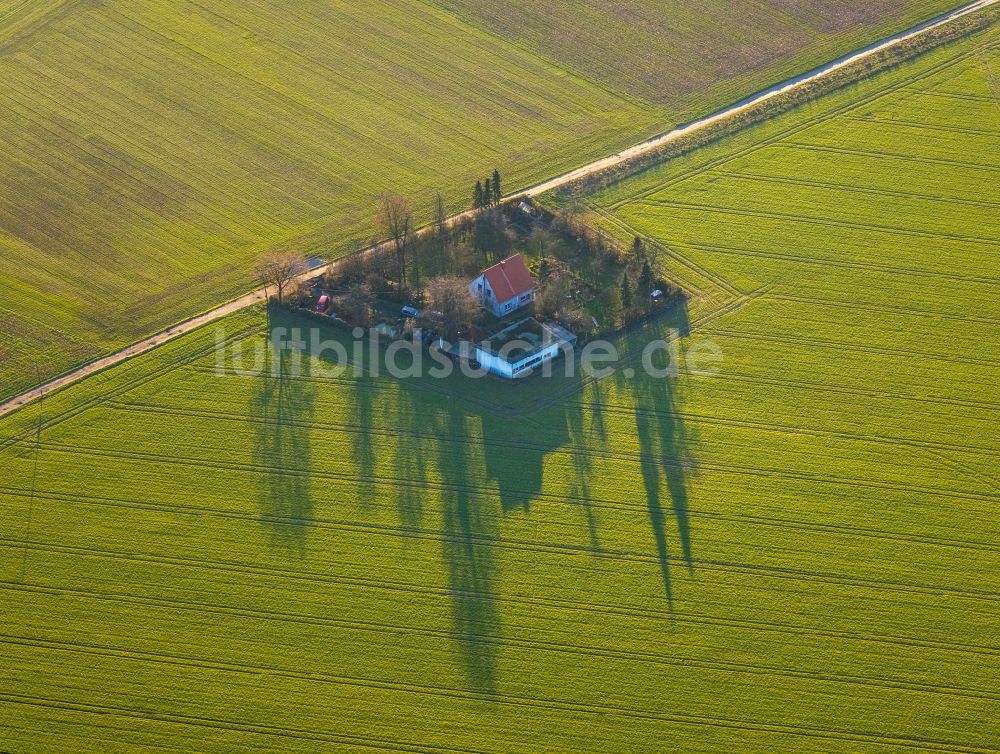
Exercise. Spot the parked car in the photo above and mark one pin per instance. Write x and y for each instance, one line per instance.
(323, 303)
(409, 311)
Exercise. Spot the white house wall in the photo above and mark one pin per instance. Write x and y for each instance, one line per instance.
(503, 368)
(494, 364)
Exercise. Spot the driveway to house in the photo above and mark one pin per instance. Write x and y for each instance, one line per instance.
(598, 166)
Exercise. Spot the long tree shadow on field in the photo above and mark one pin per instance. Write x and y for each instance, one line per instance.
(382, 415)
(362, 404)
(578, 438)
(469, 531)
(427, 429)
(665, 448)
(282, 405)
(409, 462)
(424, 429)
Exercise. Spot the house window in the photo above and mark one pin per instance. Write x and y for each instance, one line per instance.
(506, 307)
(533, 362)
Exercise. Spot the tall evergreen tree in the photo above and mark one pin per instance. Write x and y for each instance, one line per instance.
(645, 286)
(484, 235)
(497, 192)
(626, 294)
(477, 200)
(638, 248)
(487, 194)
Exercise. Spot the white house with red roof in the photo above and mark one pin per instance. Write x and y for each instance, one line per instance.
(505, 287)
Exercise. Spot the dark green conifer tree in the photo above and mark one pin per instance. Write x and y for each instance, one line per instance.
(638, 248)
(645, 281)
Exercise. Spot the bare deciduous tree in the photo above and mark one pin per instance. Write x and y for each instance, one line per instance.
(552, 297)
(351, 269)
(450, 304)
(575, 205)
(575, 319)
(394, 219)
(280, 268)
(356, 305)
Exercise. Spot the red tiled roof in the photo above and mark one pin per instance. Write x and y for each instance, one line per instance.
(509, 278)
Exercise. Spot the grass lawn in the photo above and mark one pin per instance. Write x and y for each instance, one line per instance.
(798, 554)
(153, 150)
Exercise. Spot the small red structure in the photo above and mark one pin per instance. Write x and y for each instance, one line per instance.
(323, 304)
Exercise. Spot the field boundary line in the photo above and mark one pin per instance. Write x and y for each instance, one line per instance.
(740, 470)
(835, 262)
(332, 524)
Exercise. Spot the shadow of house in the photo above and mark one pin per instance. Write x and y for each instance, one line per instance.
(514, 454)
(281, 409)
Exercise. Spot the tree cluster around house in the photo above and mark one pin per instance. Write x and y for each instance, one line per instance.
(586, 280)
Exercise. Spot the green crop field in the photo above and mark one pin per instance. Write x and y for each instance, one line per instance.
(797, 554)
(693, 57)
(153, 150)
